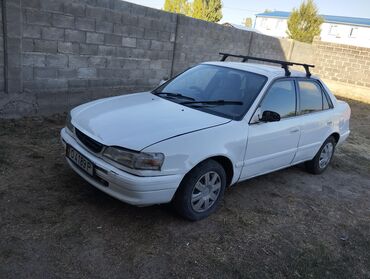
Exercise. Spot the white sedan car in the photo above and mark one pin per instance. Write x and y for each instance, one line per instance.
(214, 125)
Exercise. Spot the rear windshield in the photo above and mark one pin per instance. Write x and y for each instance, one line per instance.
(214, 83)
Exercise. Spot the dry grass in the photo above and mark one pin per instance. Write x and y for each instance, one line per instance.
(287, 224)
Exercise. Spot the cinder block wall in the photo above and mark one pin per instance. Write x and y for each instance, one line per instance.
(81, 50)
(2, 73)
(198, 41)
(56, 54)
(344, 63)
(68, 52)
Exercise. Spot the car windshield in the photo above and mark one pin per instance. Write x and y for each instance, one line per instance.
(214, 89)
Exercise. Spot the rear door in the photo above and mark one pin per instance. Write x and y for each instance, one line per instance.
(315, 114)
(273, 145)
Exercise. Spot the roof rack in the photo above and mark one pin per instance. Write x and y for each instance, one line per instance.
(284, 64)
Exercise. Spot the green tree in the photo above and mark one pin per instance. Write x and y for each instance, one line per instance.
(176, 6)
(248, 22)
(210, 10)
(198, 9)
(213, 10)
(304, 23)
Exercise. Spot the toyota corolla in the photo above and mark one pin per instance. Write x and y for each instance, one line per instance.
(214, 125)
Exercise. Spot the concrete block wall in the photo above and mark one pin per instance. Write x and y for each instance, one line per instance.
(91, 49)
(270, 47)
(302, 53)
(198, 40)
(11, 13)
(2, 73)
(68, 52)
(344, 63)
(56, 54)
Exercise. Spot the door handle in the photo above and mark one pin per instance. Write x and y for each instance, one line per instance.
(294, 131)
(329, 123)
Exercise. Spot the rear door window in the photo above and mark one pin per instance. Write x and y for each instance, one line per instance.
(311, 97)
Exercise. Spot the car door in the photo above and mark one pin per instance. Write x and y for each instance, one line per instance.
(315, 116)
(273, 145)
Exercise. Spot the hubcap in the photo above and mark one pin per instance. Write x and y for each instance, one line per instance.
(206, 191)
(325, 155)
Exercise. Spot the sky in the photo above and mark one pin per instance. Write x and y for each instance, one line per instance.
(234, 11)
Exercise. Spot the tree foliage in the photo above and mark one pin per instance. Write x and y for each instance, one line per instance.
(210, 10)
(177, 6)
(197, 9)
(248, 22)
(213, 10)
(304, 23)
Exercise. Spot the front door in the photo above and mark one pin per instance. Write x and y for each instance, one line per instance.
(273, 145)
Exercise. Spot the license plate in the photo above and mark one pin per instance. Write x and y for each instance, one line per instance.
(80, 160)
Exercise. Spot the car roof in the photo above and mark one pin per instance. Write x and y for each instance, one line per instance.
(262, 69)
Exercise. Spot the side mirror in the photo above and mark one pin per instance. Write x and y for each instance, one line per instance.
(163, 80)
(270, 116)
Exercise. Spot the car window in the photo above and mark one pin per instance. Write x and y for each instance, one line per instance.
(326, 102)
(280, 98)
(199, 81)
(213, 83)
(311, 97)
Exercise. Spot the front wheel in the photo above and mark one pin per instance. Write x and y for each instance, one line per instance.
(323, 157)
(200, 191)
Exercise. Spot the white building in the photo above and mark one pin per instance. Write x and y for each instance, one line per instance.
(335, 29)
(241, 27)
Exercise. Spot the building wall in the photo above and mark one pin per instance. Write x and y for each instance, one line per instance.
(330, 32)
(272, 26)
(345, 34)
(57, 54)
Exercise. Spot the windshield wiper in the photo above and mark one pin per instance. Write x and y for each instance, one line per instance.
(213, 103)
(174, 95)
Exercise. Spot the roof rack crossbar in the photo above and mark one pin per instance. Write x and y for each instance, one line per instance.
(224, 56)
(307, 69)
(284, 64)
(286, 69)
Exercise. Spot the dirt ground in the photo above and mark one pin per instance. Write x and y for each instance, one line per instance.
(288, 224)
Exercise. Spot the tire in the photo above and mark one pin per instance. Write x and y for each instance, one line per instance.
(196, 199)
(319, 163)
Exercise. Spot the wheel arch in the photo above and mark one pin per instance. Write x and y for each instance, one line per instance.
(336, 136)
(225, 162)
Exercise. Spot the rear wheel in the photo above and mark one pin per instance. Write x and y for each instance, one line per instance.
(323, 157)
(200, 191)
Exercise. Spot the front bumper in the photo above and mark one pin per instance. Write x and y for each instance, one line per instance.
(132, 189)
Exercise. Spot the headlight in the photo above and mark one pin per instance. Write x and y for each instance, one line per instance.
(69, 122)
(135, 160)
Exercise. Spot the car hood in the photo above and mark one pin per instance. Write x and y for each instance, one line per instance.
(138, 120)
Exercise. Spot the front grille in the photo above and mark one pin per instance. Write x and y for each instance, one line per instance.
(91, 144)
